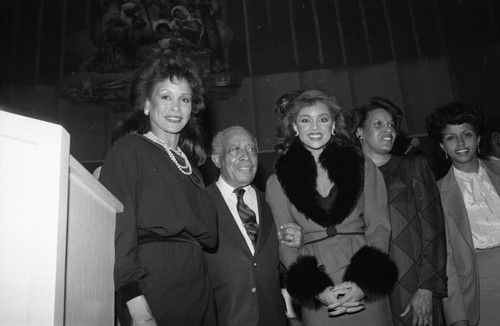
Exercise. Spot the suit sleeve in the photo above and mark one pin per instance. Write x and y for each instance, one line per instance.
(432, 274)
(119, 175)
(454, 306)
(280, 207)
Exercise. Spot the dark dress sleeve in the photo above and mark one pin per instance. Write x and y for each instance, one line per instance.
(432, 274)
(120, 175)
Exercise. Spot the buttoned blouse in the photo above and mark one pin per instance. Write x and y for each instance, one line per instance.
(483, 207)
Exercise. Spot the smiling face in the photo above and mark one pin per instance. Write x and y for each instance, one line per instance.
(169, 109)
(238, 160)
(377, 134)
(314, 125)
(460, 142)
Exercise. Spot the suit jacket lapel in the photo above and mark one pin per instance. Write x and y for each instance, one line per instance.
(452, 198)
(227, 225)
(265, 222)
(493, 172)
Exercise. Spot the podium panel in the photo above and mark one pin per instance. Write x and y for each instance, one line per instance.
(56, 230)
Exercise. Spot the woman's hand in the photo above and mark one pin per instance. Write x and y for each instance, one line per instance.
(140, 312)
(349, 297)
(421, 304)
(290, 235)
(328, 296)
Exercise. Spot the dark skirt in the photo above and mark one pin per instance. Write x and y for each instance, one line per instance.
(177, 287)
(488, 264)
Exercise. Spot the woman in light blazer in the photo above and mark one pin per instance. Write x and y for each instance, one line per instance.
(471, 204)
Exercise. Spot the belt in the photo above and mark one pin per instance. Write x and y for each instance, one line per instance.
(330, 232)
(150, 236)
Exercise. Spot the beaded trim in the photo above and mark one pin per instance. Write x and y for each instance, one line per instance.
(185, 169)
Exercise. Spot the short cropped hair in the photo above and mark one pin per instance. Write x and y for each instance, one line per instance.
(454, 114)
(218, 140)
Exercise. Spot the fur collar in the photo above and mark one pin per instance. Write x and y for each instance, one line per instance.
(296, 172)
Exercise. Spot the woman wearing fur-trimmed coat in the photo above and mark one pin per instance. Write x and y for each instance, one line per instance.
(324, 184)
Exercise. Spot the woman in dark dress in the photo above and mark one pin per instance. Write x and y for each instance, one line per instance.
(418, 244)
(167, 220)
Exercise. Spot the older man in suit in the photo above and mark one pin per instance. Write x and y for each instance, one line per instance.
(244, 266)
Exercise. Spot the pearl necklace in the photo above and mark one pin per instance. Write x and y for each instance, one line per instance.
(384, 160)
(186, 169)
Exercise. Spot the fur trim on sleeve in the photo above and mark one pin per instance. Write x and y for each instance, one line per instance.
(373, 271)
(305, 279)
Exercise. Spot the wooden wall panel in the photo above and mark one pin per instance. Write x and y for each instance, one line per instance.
(375, 80)
(334, 82)
(477, 78)
(267, 90)
(428, 85)
(235, 18)
(377, 31)
(354, 36)
(427, 30)
(238, 110)
(305, 34)
(261, 41)
(283, 59)
(399, 22)
(331, 40)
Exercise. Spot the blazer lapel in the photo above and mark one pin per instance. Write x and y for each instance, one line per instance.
(227, 224)
(493, 172)
(266, 222)
(453, 200)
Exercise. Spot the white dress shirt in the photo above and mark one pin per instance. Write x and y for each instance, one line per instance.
(250, 198)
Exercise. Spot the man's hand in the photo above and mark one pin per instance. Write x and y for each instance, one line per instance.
(290, 235)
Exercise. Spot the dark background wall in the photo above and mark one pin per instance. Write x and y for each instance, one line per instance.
(418, 53)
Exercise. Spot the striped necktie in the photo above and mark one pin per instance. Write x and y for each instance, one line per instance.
(247, 216)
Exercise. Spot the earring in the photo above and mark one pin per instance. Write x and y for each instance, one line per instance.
(360, 137)
(446, 154)
(296, 133)
(333, 132)
(478, 149)
(146, 112)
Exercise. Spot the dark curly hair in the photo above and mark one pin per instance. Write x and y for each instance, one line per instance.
(173, 66)
(357, 117)
(454, 114)
(288, 107)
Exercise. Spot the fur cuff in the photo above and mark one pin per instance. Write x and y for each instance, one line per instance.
(373, 271)
(305, 279)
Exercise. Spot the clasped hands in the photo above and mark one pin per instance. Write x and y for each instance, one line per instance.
(344, 298)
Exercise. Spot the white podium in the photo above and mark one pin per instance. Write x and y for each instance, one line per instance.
(57, 227)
